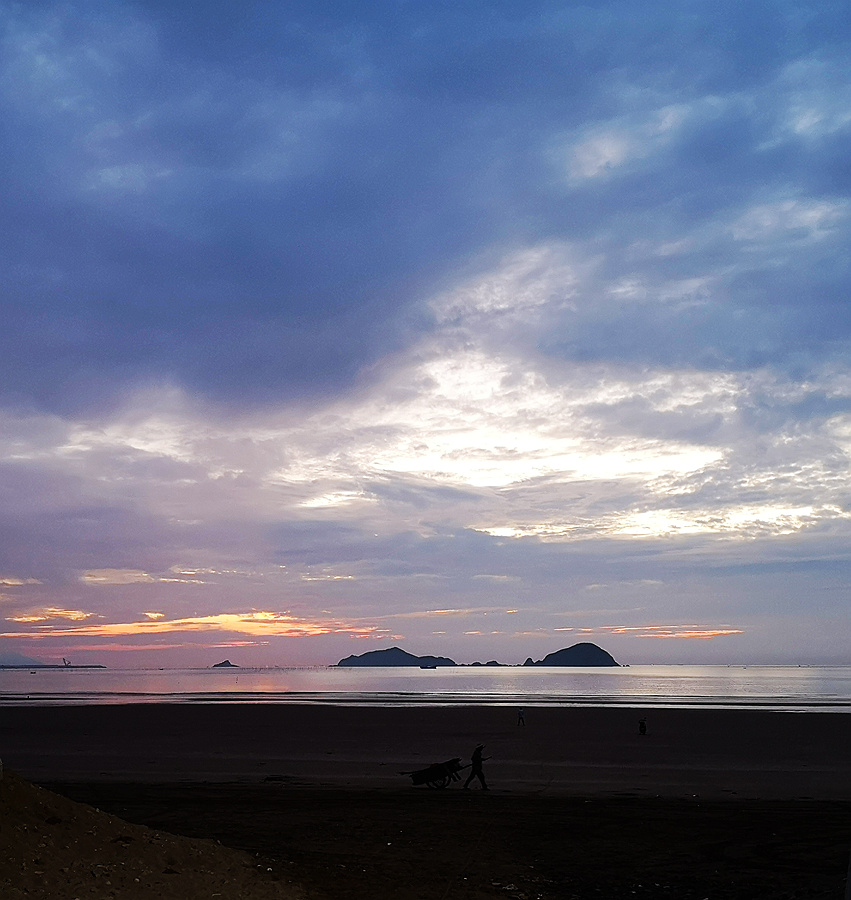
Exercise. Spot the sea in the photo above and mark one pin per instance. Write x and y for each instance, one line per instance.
(782, 688)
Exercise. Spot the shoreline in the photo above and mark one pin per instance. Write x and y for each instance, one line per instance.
(383, 700)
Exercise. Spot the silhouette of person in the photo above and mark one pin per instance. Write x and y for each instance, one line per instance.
(476, 771)
(521, 717)
(642, 726)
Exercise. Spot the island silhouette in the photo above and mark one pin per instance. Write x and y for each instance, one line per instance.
(582, 654)
(395, 656)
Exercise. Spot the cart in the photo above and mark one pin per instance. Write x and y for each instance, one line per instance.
(438, 775)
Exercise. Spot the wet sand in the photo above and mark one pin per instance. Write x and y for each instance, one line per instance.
(721, 804)
(565, 751)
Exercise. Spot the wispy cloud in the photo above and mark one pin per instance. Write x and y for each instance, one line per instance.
(254, 623)
(686, 632)
(52, 613)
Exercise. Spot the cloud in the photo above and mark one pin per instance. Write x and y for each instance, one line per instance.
(664, 632)
(816, 92)
(50, 614)
(440, 613)
(255, 622)
(98, 577)
(604, 149)
(803, 220)
(117, 576)
(326, 309)
(142, 158)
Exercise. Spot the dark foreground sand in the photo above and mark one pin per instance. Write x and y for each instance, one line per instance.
(709, 804)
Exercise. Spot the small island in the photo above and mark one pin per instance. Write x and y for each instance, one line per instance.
(225, 664)
(395, 656)
(584, 654)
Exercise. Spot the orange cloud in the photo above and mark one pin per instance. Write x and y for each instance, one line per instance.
(253, 623)
(218, 645)
(690, 635)
(52, 612)
(117, 646)
(686, 632)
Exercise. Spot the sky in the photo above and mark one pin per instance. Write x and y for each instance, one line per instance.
(480, 329)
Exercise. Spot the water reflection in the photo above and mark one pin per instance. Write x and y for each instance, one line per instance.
(781, 687)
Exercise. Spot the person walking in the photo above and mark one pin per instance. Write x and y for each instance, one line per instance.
(521, 716)
(476, 770)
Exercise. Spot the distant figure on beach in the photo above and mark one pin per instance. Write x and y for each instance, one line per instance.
(521, 717)
(642, 726)
(476, 771)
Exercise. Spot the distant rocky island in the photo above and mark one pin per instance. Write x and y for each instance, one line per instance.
(225, 664)
(395, 656)
(583, 654)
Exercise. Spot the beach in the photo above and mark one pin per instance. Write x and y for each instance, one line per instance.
(721, 803)
(574, 751)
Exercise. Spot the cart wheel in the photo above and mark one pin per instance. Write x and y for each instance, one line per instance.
(439, 783)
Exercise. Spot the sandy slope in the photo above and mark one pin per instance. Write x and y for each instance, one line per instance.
(54, 848)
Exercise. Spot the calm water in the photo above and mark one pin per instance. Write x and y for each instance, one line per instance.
(774, 687)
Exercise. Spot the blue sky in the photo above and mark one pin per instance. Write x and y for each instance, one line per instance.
(477, 328)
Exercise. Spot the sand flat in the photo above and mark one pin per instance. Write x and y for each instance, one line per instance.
(735, 804)
(745, 753)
